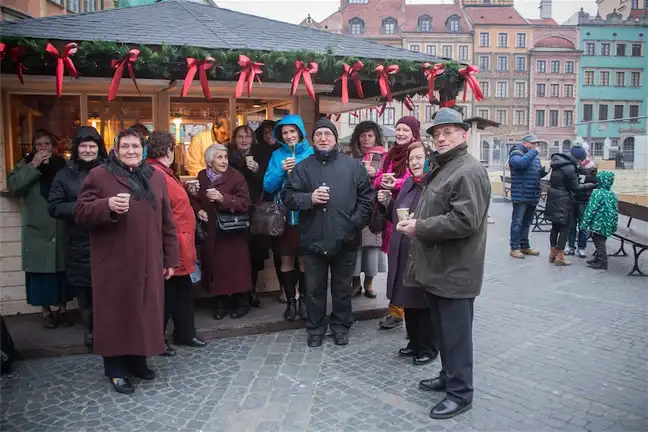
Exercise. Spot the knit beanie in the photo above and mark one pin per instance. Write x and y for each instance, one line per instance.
(413, 124)
(323, 122)
(578, 153)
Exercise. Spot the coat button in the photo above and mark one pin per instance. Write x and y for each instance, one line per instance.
(324, 209)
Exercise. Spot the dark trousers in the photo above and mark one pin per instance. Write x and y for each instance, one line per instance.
(317, 268)
(576, 216)
(601, 247)
(452, 322)
(84, 300)
(178, 304)
(124, 365)
(521, 224)
(558, 236)
(232, 302)
(420, 330)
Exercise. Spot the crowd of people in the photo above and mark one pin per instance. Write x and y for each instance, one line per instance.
(123, 234)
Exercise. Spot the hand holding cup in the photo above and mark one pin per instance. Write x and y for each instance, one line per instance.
(321, 195)
(288, 164)
(388, 181)
(384, 197)
(120, 203)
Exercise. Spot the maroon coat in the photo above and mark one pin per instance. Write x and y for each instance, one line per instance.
(224, 256)
(129, 253)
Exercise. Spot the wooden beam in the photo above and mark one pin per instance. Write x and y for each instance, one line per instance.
(232, 114)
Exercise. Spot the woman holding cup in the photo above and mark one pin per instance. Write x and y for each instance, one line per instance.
(418, 321)
(392, 174)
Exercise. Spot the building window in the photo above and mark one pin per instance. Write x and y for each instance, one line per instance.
(569, 90)
(358, 1)
(569, 67)
(634, 4)
(430, 49)
(621, 50)
(634, 113)
(520, 90)
(485, 86)
(90, 6)
(520, 40)
(453, 24)
(447, 51)
(500, 116)
(463, 52)
(73, 5)
(502, 40)
(389, 26)
(356, 26)
(555, 90)
(484, 63)
(553, 118)
(540, 90)
(502, 63)
(484, 40)
(389, 116)
(429, 113)
(425, 24)
(618, 112)
(354, 118)
(555, 66)
(540, 118)
(636, 50)
(603, 112)
(588, 109)
(589, 78)
(416, 113)
(58, 2)
(605, 49)
(619, 80)
(483, 113)
(501, 90)
(598, 149)
(520, 64)
(569, 118)
(589, 48)
(520, 117)
(371, 115)
(541, 66)
(415, 48)
(635, 79)
(604, 78)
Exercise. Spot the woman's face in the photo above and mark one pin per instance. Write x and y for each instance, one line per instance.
(404, 134)
(290, 134)
(88, 151)
(417, 162)
(367, 141)
(44, 144)
(268, 136)
(243, 139)
(130, 151)
(220, 162)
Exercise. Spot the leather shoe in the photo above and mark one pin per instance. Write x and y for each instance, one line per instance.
(447, 409)
(239, 312)
(314, 341)
(169, 351)
(122, 385)
(144, 373)
(340, 338)
(433, 384)
(88, 340)
(196, 342)
(406, 352)
(219, 314)
(423, 359)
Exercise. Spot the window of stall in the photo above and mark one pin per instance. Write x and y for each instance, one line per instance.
(111, 117)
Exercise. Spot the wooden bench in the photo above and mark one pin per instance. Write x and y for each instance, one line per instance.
(540, 224)
(506, 184)
(638, 240)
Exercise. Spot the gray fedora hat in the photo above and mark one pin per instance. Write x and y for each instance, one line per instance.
(447, 116)
(531, 139)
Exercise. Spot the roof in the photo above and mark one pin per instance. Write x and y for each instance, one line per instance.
(554, 42)
(185, 23)
(638, 13)
(439, 14)
(542, 21)
(490, 15)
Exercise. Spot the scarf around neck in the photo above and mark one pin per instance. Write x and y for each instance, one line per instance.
(138, 178)
(397, 156)
(47, 171)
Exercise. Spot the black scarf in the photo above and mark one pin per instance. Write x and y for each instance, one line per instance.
(48, 171)
(138, 178)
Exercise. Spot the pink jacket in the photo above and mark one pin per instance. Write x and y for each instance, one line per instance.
(399, 183)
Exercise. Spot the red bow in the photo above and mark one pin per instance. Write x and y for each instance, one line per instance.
(383, 79)
(353, 71)
(202, 67)
(118, 65)
(381, 110)
(63, 61)
(469, 73)
(15, 55)
(249, 70)
(334, 117)
(409, 104)
(431, 72)
(305, 70)
(3, 48)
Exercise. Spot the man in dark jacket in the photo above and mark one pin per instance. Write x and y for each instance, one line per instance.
(586, 174)
(334, 196)
(447, 255)
(526, 172)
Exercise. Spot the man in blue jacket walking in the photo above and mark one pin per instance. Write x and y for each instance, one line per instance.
(526, 172)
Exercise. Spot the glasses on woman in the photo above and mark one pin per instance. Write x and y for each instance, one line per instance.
(416, 159)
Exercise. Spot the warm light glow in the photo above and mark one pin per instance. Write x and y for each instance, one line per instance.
(177, 121)
(94, 124)
(256, 105)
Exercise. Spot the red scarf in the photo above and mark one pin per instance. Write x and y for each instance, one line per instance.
(397, 156)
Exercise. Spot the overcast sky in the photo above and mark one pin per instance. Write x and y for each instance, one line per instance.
(294, 11)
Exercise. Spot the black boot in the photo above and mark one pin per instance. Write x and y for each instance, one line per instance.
(290, 285)
(594, 259)
(302, 308)
(599, 264)
(291, 309)
(254, 300)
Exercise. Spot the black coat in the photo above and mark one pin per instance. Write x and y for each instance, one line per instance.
(254, 180)
(327, 229)
(589, 172)
(563, 185)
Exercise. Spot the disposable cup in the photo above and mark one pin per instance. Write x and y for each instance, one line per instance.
(124, 195)
(403, 213)
(249, 159)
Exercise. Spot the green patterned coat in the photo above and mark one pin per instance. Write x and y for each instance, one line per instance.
(601, 215)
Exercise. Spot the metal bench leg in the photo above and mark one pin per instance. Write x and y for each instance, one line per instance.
(536, 223)
(621, 251)
(637, 254)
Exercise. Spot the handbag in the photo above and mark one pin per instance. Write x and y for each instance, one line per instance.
(377, 219)
(269, 219)
(201, 234)
(232, 222)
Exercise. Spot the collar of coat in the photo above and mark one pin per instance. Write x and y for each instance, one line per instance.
(439, 159)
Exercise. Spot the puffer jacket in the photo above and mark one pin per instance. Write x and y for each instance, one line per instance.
(602, 213)
(526, 172)
(588, 170)
(563, 185)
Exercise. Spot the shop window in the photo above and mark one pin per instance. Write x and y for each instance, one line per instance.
(111, 117)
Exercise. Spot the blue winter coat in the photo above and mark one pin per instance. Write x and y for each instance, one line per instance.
(275, 177)
(526, 172)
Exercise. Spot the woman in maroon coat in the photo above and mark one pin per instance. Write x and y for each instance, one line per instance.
(133, 248)
(225, 256)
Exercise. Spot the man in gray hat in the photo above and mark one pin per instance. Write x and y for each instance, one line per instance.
(447, 253)
(526, 172)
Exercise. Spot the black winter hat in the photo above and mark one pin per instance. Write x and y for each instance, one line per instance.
(324, 122)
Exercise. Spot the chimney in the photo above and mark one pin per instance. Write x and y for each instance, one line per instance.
(545, 9)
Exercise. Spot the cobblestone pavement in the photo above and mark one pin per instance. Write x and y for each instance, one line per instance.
(555, 349)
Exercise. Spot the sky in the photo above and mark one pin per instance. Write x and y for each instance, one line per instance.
(294, 11)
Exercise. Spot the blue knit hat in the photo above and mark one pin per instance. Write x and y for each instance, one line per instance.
(579, 153)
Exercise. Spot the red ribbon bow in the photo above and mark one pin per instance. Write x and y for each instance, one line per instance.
(431, 72)
(202, 66)
(3, 48)
(469, 73)
(118, 65)
(409, 103)
(383, 79)
(15, 53)
(305, 70)
(353, 71)
(249, 71)
(63, 61)
(381, 110)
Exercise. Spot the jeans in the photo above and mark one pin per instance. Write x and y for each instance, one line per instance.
(576, 216)
(521, 224)
(558, 236)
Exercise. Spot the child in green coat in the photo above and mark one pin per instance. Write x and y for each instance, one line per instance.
(601, 217)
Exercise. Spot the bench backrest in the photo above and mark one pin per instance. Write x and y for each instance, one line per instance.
(633, 211)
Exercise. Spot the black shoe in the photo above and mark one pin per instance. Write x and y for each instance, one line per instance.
(406, 352)
(341, 338)
(254, 300)
(122, 385)
(220, 314)
(196, 342)
(169, 351)
(88, 340)
(424, 359)
(314, 341)
(598, 265)
(592, 261)
(433, 384)
(240, 312)
(370, 293)
(66, 319)
(143, 373)
(49, 321)
(447, 409)
(302, 309)
(291, 310)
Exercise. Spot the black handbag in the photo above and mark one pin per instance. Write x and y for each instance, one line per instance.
(269, 219)
(201, 233)
(378, 218)
(232, 222)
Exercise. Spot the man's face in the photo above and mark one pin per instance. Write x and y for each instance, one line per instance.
(530, 145)
(324, 139)
(447, 137)
(221, 129)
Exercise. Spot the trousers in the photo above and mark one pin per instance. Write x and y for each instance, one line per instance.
(558, 236)
(124, 365)
(84, 300)
(601, 247)
(521, 221)
(178, 305)
(576, 216)
(420, 330)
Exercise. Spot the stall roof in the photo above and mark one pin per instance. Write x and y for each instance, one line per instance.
(176, 22)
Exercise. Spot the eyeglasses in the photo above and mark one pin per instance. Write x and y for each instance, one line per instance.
(326, 134)
(446, 133)
(416, 159)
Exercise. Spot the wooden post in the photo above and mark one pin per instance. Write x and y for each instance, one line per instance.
(162, 110)
(232, 113)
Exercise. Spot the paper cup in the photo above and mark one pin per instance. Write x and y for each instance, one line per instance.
(385, 193)
(325, 188)
(210, 190)
(366, 163)
(249, 159)
(387, 176)
(403, 213)
(124, 195)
